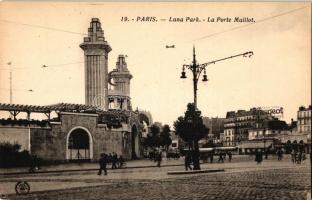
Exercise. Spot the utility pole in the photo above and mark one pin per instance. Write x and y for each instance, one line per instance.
(11, 93)
(196, 70)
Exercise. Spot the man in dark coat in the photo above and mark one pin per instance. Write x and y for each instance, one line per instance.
(187, 161)
(35, 164)
(211, 156)
(259, 156)
(158, 158)
(230, 156)
(121, 161)
(114, 160)
(221, 158)
(103, 162)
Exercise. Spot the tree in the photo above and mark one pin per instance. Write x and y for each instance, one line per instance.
(191, 129)
(153, 138)
(165, 139)
(157, 138)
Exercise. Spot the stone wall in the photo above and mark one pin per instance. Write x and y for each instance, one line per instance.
(15, 134)
(108, 141)
(45, 145)
(51, 143)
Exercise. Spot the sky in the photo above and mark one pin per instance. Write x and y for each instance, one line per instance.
(278, 74)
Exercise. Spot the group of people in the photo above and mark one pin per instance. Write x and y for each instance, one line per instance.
(297, 157)
(156, 156)
(279, 153)
(259, 155)
(188, 161)
(117, 162)
(222, 156)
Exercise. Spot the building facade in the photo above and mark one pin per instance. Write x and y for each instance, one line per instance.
(237, 124)
(304, 120)
(268, 129)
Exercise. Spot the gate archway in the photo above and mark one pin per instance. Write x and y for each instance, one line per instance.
(135, 143)
(79, 145)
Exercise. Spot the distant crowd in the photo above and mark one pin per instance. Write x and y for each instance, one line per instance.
(188, 161)
(297, 156)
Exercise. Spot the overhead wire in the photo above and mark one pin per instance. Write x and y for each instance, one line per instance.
(201, 38)
(42, 27)
(252, 23)
(47, 66)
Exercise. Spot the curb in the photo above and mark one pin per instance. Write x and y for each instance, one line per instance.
(195, 171)
(90, 169)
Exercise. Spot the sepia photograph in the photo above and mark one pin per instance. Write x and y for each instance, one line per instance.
(155, 100)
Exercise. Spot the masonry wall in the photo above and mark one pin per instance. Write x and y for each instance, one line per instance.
(50, 143)
(108, 141)
(15, 134)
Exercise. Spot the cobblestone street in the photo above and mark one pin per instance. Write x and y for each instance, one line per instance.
(241, 180)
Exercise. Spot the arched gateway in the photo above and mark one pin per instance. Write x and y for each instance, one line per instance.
(79, 144)
(135, 142)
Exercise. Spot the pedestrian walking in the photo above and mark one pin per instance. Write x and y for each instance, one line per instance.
(155, 155)
(159, 158)
(266, 152)
(35, 164)
(299, 157)
(224, 155)
(230, 156)
(121, 161)
(187, 161)
(293, 156)
(114, 160)
(296, 157)
(259, 156)
(279, 154)
(221, 157)
(303, 157)
(151, 155)
(211, 157)
(103, 163)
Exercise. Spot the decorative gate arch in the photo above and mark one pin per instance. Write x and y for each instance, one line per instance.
(79, 144)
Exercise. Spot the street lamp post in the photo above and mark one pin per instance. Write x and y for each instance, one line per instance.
(196, 70)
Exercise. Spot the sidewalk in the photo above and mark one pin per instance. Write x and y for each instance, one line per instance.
(143, 163)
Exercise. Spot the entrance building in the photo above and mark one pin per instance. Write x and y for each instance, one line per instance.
(78, 133)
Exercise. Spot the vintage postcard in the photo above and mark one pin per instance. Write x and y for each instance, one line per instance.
(155, 100)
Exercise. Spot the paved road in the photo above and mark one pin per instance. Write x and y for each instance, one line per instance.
(242, 180)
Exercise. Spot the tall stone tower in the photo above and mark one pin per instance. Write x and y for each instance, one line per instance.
(96, 51)
(120, 95)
